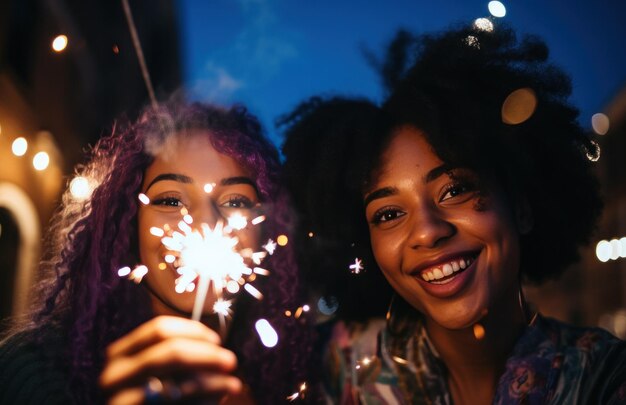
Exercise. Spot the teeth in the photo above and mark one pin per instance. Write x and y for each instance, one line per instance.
(446, 270)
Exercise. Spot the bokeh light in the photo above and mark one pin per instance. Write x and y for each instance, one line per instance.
(496, 9)
(600, 123)
(268, 335)
(483, 24)
(59, 43)
(479, 331)
(611, 249)
(282, 240)
(603, 251)
(519, 106)
(80, 188)
(41, 160)
(19, 146)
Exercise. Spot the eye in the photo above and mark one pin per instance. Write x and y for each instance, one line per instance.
(387, 214)
(238, 202)
(454, 190)
(167, 202)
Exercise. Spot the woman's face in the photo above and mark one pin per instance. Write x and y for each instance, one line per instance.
(447, 248)
(175, 180)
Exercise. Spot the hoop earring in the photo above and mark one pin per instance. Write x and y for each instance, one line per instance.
(529, 318)
(399, 318)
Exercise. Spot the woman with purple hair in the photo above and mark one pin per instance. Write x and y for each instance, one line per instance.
(94, 337)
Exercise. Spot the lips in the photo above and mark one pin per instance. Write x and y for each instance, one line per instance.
(441, 272)
(446, 275)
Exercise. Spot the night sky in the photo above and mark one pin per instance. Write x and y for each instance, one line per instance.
(272, 54)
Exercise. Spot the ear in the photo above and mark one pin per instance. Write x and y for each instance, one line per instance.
(523, 216)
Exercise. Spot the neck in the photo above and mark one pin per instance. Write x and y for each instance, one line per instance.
(475, 362)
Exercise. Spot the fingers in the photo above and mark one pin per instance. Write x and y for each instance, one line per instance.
(167, 357)
(158, 329)
(202, 385)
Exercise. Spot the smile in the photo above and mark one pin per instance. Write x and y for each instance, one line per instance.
(442, 273)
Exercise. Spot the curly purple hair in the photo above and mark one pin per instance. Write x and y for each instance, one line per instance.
(86, 301)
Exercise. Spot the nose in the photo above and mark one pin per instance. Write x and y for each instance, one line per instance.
(429, 228)
(206, 213)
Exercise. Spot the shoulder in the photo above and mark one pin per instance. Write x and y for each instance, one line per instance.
(29, 375)
(593, 357)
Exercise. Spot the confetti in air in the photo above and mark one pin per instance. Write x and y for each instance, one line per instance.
(357, 266)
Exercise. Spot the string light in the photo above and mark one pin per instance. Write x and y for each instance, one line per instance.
(496, 9)
(19, 146)
(59, 43)
(611, 250)
(600, 123)
(41, 160)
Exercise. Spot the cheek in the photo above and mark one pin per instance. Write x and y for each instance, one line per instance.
(385, 252)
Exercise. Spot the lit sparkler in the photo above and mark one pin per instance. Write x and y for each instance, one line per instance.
(204, 257)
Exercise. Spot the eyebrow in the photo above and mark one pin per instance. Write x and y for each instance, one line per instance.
(431, 176)
(181, 178)
(380, 193)
(229, 181)
(437, 172)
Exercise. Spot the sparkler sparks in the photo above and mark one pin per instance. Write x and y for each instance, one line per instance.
(300, 394)
(208, 257)
(357, 266)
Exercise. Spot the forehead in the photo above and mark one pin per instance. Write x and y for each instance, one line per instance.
(407, 152)
(193, 155)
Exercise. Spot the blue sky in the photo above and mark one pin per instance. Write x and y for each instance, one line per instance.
(271, 54)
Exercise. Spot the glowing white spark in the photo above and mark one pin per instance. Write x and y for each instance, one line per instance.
(253, 291)
(258, 256)
(258, 220)
(209, 187)
(357, 266)
(270, 246)
(156, 231)
(237, 221)
(138, 273)
(123, 272)
(261, 271)
(296, 395)
(268, 335)
(306, 308)
(222, 307)
(143, 198)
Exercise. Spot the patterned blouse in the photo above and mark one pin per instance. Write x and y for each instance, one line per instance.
(551, 363)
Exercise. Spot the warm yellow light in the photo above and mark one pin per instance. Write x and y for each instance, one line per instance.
(41, 161)
(282, 240)
(80, 188)
(519, 106)
(496, 9)
(59, 43)
(479, 331)
(19, 146)
(600, 123)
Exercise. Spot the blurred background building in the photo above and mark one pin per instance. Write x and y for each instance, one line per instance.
(68, 70)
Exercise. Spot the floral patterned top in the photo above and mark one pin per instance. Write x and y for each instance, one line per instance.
(551, 363)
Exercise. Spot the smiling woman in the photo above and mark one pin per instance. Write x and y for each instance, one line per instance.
(462, 205)
(96, 337)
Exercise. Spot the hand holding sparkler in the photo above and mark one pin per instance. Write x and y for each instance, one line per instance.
(183, 356)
